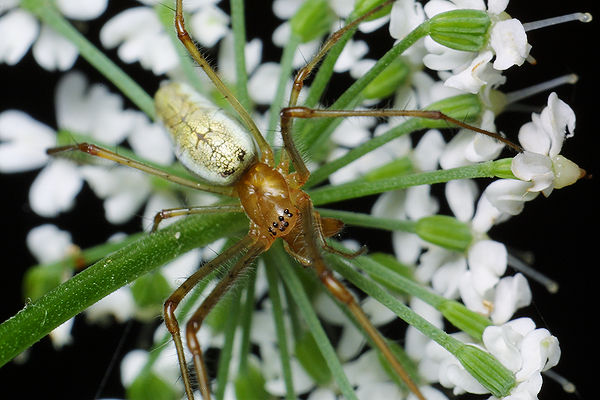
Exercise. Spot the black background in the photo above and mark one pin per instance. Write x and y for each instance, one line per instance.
(560, 230)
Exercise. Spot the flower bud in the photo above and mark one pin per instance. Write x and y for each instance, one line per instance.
(465, 30)
(488, 371)
(464, 319)
(463, 107)
(388, 81)
(313, 19)
(566, 172)
(444, 231)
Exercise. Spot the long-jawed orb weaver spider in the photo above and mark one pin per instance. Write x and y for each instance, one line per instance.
(239, 163)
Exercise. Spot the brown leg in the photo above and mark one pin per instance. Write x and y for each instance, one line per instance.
(177, 212)
(195, 322)
(97, 151)
(173, 301)
(342, 294)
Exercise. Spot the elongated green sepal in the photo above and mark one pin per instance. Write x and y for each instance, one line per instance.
(464, 319)
(488, 371)
(502, 169)
(445, 231)
(464, 107)
(313, 19)
(465, 30)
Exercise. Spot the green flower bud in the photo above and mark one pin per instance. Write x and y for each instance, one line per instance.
(388, 81)
(464, 107)
(41, 279)
(312, 20)
(488, 371)
(361, 7)
(250, 384)
(308, 354)
(464, 319)
(444, 231)
(465, 30)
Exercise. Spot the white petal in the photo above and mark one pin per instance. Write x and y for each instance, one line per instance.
(461, 195)
(53, 51)
(535, 168)
(512, 293)
(209, 25)
(132, 365)
(262, 86)
(61, 335)
(509, 41)
(352, 52)
(55, 188)
(48, 243)
(428, 151)
(540, 351)
(509, 195)
(558, 120)
(150, 141)
(497, 6)
(503, 343)
(533, 137)
(487, 261)
(420, 203)
(24, 142)
(82, 9)
(18, 30)
(404, 17)
(119, 304)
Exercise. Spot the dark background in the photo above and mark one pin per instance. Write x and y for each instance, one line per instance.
(560, 231)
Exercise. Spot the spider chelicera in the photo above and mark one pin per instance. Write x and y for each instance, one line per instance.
(235, 160)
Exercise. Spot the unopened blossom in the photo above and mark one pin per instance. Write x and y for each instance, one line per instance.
(20, 30)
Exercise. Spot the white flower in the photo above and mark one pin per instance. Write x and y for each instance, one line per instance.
(468, 147)
(20, 30)
(525, 350)
(140, 35)
(542, 139)
(471, 71)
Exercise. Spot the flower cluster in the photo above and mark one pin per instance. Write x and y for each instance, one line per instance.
(453, 56)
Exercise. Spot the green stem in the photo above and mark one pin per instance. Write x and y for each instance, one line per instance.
(39, 318)
(278, 312)
(369, 221)
(238, 26)
(360, 188)
(47, 12)
(294, 285)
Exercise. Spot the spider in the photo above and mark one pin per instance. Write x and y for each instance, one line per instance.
(234, 160)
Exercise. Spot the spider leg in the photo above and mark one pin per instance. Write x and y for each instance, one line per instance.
(173, 301)
(301, 76)
(176, 212)
(195, 322)
(311, 228)
(100, 152)
(305, 112)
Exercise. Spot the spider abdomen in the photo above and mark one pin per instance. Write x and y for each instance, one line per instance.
(207, 141)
